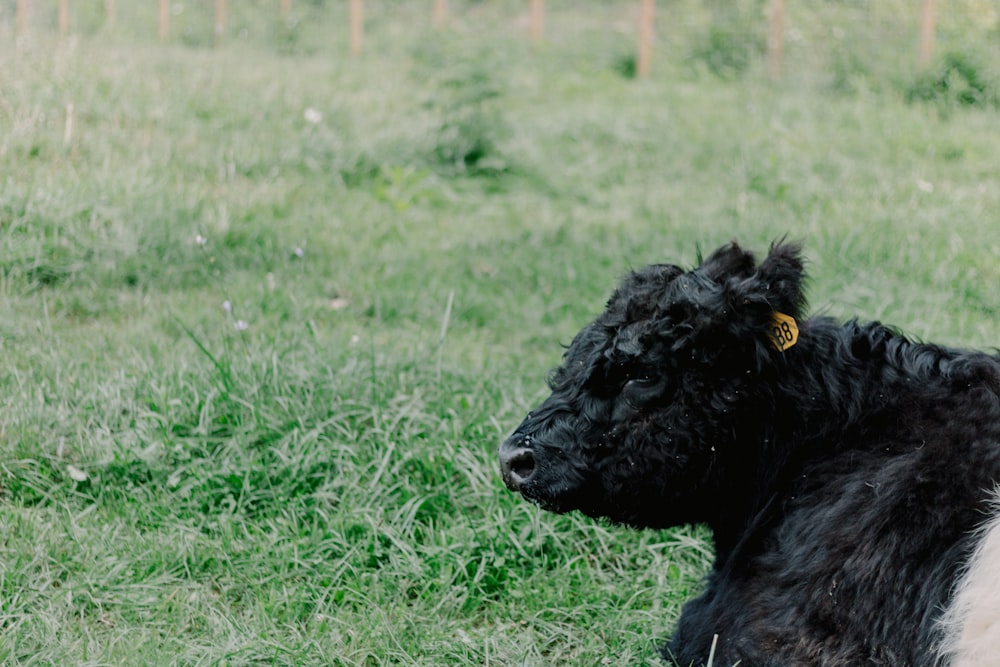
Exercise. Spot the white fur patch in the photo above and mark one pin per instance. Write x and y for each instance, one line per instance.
(972, 622)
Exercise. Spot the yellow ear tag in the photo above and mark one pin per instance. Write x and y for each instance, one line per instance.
(784, 331)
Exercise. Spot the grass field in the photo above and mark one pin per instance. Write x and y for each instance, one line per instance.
(267, 311)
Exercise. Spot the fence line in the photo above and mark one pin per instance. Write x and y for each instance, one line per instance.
(536, 13)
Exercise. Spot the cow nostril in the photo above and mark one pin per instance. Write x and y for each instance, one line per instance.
(517, 466)
(523, 464)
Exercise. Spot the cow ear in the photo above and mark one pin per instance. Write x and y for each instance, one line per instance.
(778, 281)
(730, 297)
(728, 262)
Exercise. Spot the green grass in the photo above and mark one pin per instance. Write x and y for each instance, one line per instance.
(319, 486)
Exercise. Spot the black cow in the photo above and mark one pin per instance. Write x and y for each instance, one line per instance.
(849, 475)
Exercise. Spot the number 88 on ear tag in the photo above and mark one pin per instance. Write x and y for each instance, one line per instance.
(784, 331)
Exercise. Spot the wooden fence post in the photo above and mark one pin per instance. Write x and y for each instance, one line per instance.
(285, 7)
(357, 19)
(440, 13)
(22, 17)
(164, 30)
(63, 17)
(776, 39)
(926, 33)
(109, 12)
(537, 20)
(220, 20)
(642, 63)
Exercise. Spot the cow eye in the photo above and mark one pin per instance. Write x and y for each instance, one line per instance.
(643, 390)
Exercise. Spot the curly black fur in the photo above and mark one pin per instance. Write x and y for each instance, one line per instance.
(843, 478)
